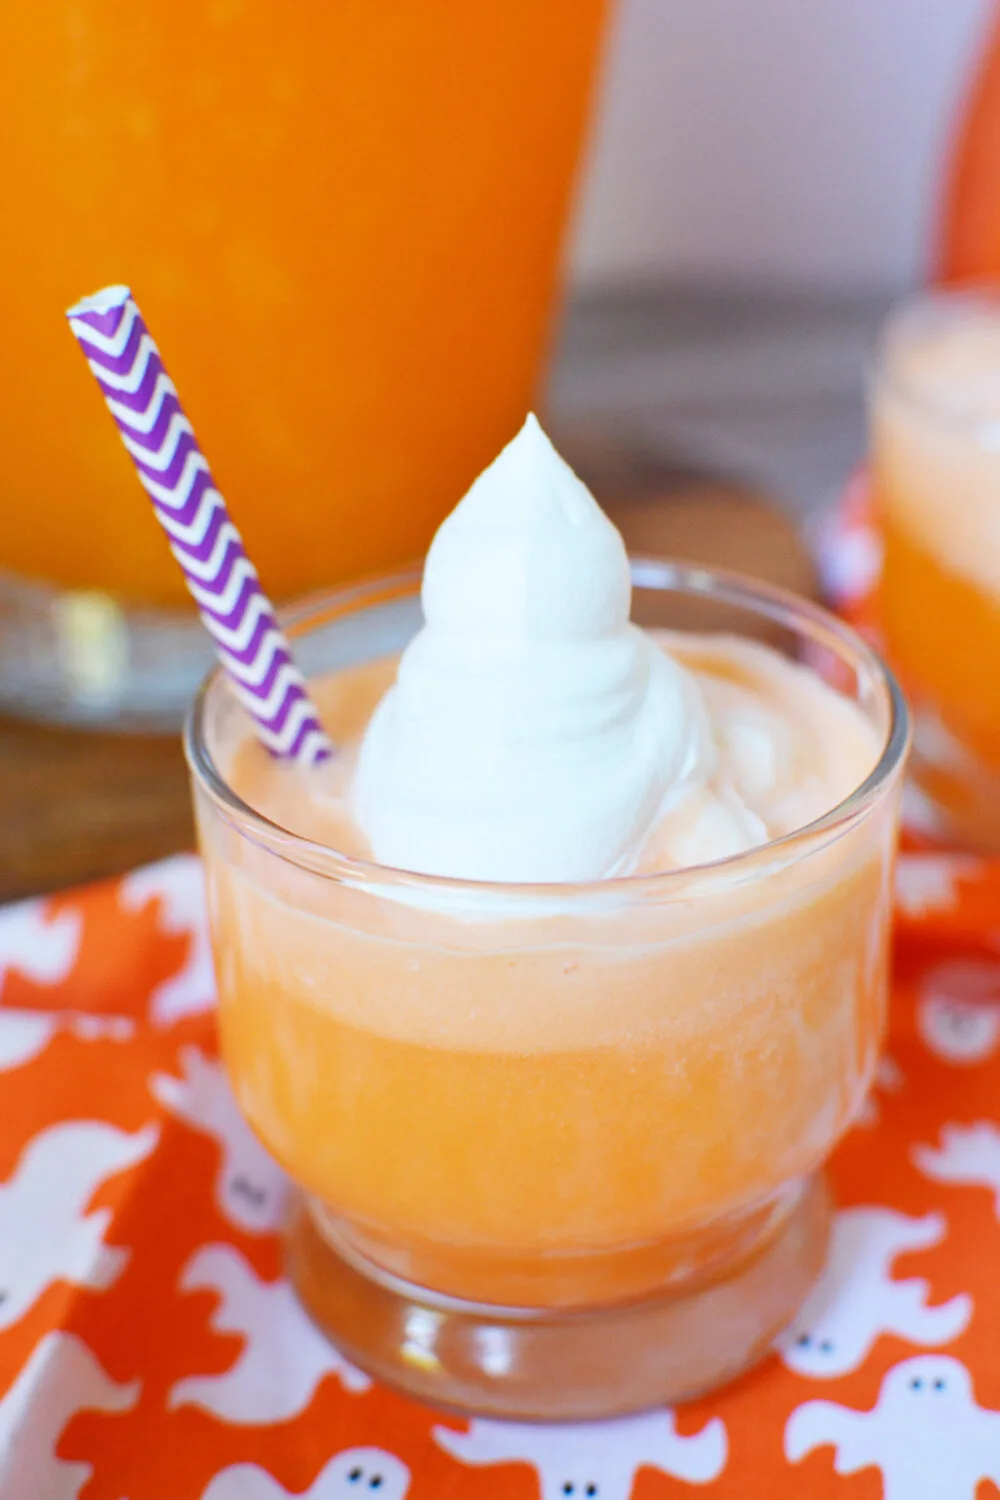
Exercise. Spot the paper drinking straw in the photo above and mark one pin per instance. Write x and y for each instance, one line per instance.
(237, 613)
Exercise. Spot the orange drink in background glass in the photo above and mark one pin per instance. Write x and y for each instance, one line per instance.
(364, 203)
(559, 1147)
(936, 471)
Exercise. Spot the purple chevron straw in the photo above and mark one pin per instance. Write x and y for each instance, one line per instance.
(237, 613)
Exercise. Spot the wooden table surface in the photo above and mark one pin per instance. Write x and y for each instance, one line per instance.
(78, 805)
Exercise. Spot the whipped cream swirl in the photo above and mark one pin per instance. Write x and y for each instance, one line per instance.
(533, 733)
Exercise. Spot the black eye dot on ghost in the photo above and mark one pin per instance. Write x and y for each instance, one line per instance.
(375, 1482)
(826, 1347)
(246, 1189)
(940, 1385)
(591, 1490)
(568, 1488)
(803, 1341)
(354, 1475)
(916, 1384)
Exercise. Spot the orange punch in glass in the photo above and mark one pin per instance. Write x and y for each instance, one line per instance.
(365, 205)
(936, 470)
(555, 987)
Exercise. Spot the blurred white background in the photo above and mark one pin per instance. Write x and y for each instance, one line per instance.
(773, 141)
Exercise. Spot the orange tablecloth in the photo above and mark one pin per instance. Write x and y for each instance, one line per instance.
(150, 1350)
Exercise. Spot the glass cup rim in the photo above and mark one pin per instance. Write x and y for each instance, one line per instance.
(725, 586)
(984, 290)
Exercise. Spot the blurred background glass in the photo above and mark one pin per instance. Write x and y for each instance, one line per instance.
(343, 222)
(935, 475)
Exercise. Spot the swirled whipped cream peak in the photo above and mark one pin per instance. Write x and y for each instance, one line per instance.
(532, 733)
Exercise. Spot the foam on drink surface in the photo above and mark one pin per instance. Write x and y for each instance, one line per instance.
(789, 749)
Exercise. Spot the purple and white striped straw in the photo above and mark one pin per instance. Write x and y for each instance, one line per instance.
(160, 440)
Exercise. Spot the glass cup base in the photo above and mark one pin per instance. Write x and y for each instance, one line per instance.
(560, 1365)
(81, 657)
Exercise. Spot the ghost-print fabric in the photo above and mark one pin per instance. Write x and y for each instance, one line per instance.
(150, 1347)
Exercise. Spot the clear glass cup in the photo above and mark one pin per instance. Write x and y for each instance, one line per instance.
(935, 463)
(559, 1148)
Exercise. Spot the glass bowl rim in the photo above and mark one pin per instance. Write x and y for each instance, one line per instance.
(726, 586)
